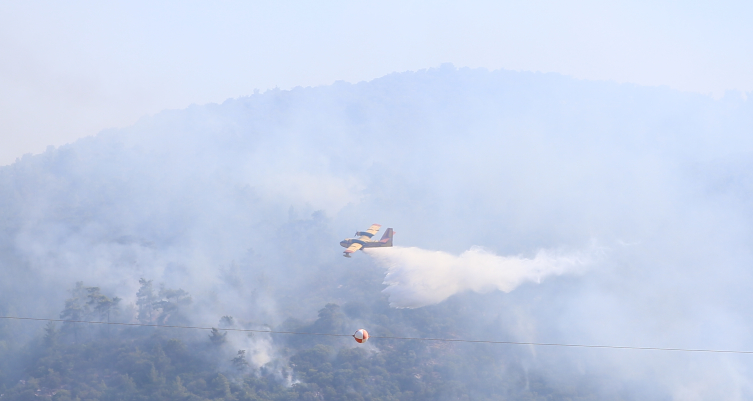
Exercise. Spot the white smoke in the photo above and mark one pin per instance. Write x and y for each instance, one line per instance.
(417, 277)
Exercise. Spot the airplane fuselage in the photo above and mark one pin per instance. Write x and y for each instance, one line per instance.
(348, 242)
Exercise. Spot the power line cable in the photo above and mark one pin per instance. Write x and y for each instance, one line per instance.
(173, 326)
(457, 340)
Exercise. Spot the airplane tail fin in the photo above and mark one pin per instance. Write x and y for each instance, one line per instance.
(387, 237)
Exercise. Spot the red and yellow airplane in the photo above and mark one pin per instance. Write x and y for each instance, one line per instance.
(364, 240)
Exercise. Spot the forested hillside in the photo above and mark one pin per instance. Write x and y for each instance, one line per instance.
(543, 208)
(77, 361)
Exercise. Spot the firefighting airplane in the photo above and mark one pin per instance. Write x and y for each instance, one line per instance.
(364, 240)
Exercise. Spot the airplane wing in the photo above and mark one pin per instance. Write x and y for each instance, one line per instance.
(374, 229)
(354, 247)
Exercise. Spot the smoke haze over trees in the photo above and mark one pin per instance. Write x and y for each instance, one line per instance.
(229, 215)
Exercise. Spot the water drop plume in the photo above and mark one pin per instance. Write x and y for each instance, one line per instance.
(418, 277)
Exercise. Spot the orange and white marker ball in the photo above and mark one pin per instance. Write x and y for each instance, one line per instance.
(361, 336)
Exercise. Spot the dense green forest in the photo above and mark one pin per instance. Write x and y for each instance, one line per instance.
(74, 361)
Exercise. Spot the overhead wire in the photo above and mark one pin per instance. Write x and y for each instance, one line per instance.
(456, 340)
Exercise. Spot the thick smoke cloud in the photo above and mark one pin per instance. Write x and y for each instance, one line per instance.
(418, 277)
(243, 204)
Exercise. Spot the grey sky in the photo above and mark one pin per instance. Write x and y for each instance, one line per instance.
(71, 69)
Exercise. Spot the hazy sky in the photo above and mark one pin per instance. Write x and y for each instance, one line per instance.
(71, 69)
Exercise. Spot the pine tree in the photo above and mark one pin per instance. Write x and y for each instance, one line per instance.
(145, 301)
(226, 322)
(50, 335)
(218, 338)
(240, 361)
(101, 305)
(76, 309)
(170, 302)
